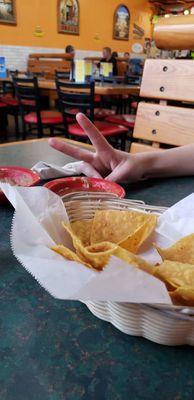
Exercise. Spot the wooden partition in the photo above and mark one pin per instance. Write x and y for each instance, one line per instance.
(48, 63)
(168, 80)
(165, 124)
(158, 122)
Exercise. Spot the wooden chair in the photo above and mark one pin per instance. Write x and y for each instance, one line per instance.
(3, 121)
(8, 97)
(160, 124)
(75, 97)
(62, 75)
(33, 117)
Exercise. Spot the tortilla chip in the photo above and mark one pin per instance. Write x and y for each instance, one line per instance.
(82, 230)
(129, 229)
(134, 260)
(134, 242)
(182, 251)
(175, 274)
(183, 295)
(98, 255)
(68, 254)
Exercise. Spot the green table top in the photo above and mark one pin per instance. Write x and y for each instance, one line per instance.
(56, 350)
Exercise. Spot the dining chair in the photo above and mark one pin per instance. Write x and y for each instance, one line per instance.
(164, 120)
(8, 97)
(3, 121)
(33, 117)
(121, 101)
(117, 101)
(62, 75)
(79, 97)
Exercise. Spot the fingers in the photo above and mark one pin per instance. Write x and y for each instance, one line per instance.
(97, 139)
(72, 151)
(120, 174)
(88, 170)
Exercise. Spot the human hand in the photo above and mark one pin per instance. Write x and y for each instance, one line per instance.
(111, 164)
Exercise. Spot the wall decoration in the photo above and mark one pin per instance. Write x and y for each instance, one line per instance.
(137, 48)
(121, 23)
(38, 32)
(8, 12)
(138, 32)
(68, 17)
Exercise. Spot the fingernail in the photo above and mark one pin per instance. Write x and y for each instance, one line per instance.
(51, 141)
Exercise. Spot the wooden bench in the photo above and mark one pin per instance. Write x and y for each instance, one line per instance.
(48, 63)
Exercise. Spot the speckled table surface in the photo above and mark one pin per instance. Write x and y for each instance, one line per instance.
(56, 350)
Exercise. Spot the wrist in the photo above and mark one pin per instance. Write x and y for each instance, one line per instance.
(148, 164)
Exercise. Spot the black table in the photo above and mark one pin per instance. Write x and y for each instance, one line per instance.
(56, 350)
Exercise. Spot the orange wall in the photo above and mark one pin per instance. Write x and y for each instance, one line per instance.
(96, 19)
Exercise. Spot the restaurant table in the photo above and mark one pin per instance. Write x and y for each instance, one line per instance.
(57, 350)
(48, 88)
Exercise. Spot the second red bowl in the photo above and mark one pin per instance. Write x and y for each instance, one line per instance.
(65, 186)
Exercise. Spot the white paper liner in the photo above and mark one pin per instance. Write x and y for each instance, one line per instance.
(51, 171)
(37, 227)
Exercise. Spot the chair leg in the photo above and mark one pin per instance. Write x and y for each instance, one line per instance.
(123, 142)
(124, 107)
(40, 131)
(5, 129)
(17, 126)
(51, 131)
(23, 130)
(3, 125)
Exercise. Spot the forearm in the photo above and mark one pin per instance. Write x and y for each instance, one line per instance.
(174, 162)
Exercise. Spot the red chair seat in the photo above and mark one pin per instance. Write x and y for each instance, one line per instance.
(107, 130)
(47, 118)
(97, 98)
(2, 105)
(12, 101)
(134, 104)
(29, 102)
(9, 100)
(127, 120)
(125, 96)
(101, 113)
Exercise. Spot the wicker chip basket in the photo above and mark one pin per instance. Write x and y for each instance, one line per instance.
(167, 325)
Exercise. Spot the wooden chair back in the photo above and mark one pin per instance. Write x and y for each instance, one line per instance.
(28, 94)
(168, 80)
(49, 63)
(165, 124)
(159, 123)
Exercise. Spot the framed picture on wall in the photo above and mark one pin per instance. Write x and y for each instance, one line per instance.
(8, 12)
(68, 16)
(121, 23)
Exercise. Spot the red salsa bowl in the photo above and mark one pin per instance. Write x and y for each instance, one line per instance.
(17, 176)
(65, 186)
